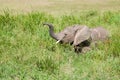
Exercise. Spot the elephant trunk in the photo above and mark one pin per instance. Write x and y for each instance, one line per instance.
(51, 31)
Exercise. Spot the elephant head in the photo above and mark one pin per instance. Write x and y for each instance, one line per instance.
(65, 36)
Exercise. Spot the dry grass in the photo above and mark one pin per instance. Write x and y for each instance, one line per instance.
(59, 6)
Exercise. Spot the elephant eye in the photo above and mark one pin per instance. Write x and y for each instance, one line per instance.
(65, 34)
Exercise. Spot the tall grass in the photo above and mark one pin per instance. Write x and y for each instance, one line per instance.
(28, 52)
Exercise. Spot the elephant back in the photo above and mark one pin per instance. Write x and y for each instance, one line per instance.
(99, 33)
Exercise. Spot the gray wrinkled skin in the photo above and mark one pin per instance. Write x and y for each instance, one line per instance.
(65, 36)
(99, 34)
(82, 39)
(82, 35)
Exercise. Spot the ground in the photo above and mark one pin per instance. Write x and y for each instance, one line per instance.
(59, 6)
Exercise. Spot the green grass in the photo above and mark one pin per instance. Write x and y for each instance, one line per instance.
(27, 52)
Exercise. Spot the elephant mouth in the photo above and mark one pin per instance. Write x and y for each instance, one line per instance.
(60, 40)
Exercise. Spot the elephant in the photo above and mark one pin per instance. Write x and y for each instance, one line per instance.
(80, 37)
(77, 35)
(65, 36)
(99, 34)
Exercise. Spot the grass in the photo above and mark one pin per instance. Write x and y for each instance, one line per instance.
(27, 52)
(58, 7)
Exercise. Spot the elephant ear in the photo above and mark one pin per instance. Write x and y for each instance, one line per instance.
(82, 35)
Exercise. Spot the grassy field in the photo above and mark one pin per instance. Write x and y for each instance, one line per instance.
(58, 7)
(27, 52)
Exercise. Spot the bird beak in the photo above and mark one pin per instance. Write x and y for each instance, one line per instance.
(58, 41)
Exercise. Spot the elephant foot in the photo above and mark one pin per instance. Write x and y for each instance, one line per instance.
(77, 49)
(85, 49)
(82, 47)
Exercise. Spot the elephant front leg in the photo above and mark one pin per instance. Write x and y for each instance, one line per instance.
(83, 47)
(77, 49)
